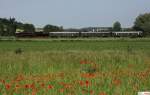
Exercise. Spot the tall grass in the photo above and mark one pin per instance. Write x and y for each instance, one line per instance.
(120, 67)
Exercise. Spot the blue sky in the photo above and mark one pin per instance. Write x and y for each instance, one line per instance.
(74, 13)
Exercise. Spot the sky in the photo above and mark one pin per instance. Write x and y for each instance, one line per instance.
(74, 13)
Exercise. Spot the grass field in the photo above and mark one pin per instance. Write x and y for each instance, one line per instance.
(74, 67)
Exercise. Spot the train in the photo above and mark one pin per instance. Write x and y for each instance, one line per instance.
(80, 34)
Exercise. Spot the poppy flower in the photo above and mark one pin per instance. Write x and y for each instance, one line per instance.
(50, 86)
(32, 86)
(81, 83)
(7, 86)
(61, 90)
(27, 86)
(2, 81)
(87, 83)
(17, 86)
(42, 85)
(88, 75)
(84, 62)
(116, 82)
(67, 86)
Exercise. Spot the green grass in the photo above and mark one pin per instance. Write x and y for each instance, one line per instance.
(118, 66)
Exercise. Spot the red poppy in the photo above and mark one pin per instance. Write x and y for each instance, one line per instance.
(61, 90)
(27, 86)
(50, 86)
(81, 83)
(7, 86)
(17, 86)
(32, 86)
(88, 75)
(2, 81)
(42, 85)
(84, 62)
(67, 86)
(87, 83)
(116, 82)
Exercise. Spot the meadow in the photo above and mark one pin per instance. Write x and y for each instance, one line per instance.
(74, 67)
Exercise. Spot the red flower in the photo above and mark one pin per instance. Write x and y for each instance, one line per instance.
(88, 75)
(50, 86)
(61, 90)
(84, 62)
(27, 86)
(87, 83)
(81, 83)
(7, 86)
(32, 86)
(42, 85)
(17, 86)
(116, 82)
(2, 81)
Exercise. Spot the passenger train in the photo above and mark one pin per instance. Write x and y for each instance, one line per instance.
(81, 34)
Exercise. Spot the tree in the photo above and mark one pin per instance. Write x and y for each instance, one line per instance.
(142, 23)
(116, 26)
(12, 27)
(1, 29)
(52, 28)
(29, 28)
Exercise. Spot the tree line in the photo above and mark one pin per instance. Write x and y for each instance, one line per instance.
(9, 26)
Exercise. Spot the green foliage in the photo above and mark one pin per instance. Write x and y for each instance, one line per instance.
(1, 29)
(29, 28)
(142, 23)
(116, 26)
(7, 26)
(52, 28)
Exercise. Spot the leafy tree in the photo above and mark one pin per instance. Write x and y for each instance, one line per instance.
(142, 23)
(29, 28)
(1, 29)
(52, 28)
(116, 26)
(12, 27)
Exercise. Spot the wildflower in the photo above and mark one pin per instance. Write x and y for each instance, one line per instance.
(34, 92)
(50, 86)
(116, 82)
(32, 86)
(84, 62)
(7, 86)
(67, 86)
(17, 86)
(42, 85)
(27, 86)
(87, 83)
(61, 90)
(2, 81)
(81, 83)
(88, 75)
(62, 83)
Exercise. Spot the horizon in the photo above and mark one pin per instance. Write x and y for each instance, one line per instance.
(74, 13)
